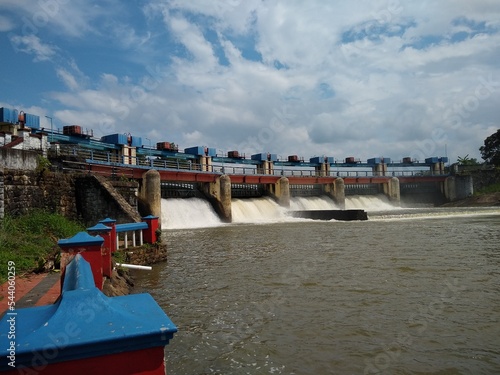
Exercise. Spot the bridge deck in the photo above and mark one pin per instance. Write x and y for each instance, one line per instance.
(182, 175)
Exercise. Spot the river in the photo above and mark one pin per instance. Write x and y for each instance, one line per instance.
(410, 291)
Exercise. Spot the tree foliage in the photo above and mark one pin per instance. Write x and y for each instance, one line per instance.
(490, 152)
(466, 160)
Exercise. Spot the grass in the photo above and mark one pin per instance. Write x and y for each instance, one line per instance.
(31, 240)
(494, 188)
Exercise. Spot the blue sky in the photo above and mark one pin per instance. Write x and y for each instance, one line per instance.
(336, 78)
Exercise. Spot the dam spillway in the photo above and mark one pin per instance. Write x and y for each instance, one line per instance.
(178, 213)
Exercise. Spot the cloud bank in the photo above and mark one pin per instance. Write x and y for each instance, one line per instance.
(363, 79)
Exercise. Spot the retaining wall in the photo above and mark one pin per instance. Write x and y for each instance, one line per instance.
(11, 158)
(75, 196)
(96, 198)
(28, 190)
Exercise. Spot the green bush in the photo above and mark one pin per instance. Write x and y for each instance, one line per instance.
(31, 240)
(494, 188)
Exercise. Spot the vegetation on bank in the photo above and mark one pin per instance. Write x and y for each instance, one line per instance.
(490, 189)
(31, 241)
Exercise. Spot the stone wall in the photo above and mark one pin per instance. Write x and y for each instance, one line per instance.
(97, 199)
(76, 196)
(28, 190)
(146, 255)
(128, 190)
(483, 178)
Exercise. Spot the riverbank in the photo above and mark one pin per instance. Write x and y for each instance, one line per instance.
(30, 244)
(44, 288)
(29, 241)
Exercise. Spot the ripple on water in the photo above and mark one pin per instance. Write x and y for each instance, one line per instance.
(395, 296)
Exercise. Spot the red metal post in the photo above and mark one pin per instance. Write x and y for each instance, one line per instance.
(149, 235)
(105, 232)
(111, 223)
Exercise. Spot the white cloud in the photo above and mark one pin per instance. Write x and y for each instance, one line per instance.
(32, 45)
(6, 24)
(68, 79)
(336, 78)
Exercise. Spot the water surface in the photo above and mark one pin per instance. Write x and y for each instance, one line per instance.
(403, 293)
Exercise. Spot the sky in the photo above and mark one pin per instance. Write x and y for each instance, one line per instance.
(335, 78)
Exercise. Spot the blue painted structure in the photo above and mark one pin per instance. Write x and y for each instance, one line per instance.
(8, 115)
(84, 323)
(201, 151)
(375, 161)
(322, 159)
(131, 226)
(32, 121)
(264, 156)
(119, 139)
(81, 239)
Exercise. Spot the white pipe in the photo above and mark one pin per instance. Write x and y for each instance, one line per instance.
(134, 266)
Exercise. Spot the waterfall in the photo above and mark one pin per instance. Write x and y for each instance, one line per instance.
(198, 213)
(257, 210)
(179, 213)
(368, 202)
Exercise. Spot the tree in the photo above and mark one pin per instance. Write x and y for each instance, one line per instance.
(490, 152)
(467, 161)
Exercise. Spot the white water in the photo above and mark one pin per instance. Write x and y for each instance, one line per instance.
(198, 213)
(369, 203)
(177, 213)
(257, 210)
(312, 203)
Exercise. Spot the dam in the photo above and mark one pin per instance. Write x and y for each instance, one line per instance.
(179, 213)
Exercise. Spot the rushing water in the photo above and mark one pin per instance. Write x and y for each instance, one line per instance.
(406, 292)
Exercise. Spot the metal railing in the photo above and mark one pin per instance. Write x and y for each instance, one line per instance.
(85, 156)
(130, 229)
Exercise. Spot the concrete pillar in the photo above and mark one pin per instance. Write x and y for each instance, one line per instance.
(266, 167)
(465, 187)
(449, 189)
(128, 155)
(327, 168)
(206, 163)
(323, 169)
(436, 168)
(339, 192)
(150, 193)
(380, 169)
(392, 190)
(458, 187)
(261, 168)
(225, 197)
(219, 194)
(282, 192)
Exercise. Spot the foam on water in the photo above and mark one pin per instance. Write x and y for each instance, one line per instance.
(179, 213)
(198, 213)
